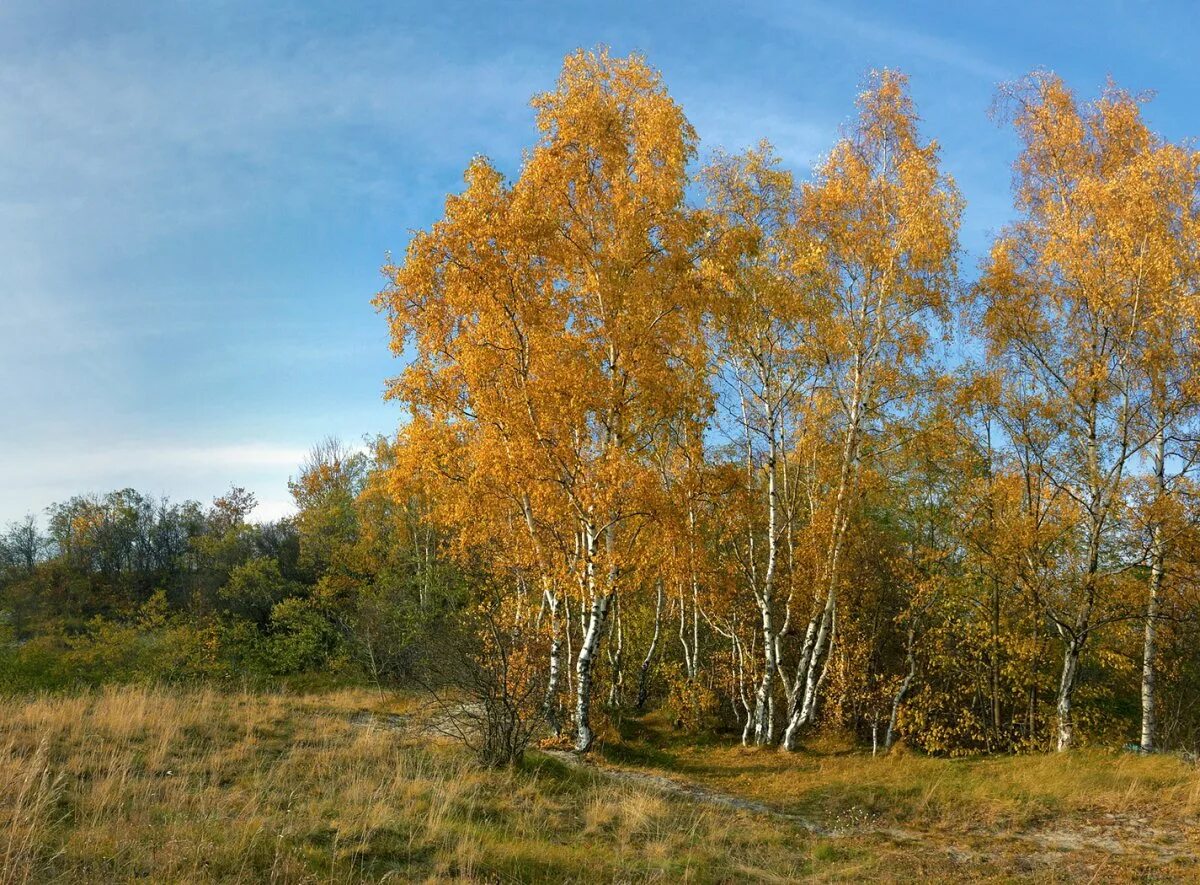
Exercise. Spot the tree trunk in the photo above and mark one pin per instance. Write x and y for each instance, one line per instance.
(550, 705)
(616, 658)
(795, 690)
(1149, 651)
(890, 736)
(994, 659)
(585, 672)
(694, 658)
(764, 720)
(764, 707)
(810, 706)
(1158, 554)
(791, 733)
(740, 660)
(1066, 692)
(1149, 720)
(804, 709)
(644, 674)
(1077, 636)
(994, 645)
(1031, 722)
(567, 628)
(689, 661)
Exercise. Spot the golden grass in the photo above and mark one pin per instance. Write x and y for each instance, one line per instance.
(197, 786)
(152, 784)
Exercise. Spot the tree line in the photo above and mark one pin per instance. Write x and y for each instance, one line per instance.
(126, 587)
(774, 417)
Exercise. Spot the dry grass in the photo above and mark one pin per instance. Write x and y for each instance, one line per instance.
(151, 784)
(158, 785)
(1113, 814)
(1001, 792)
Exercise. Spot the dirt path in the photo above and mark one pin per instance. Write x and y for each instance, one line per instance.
(685, 789)
(1114, 835)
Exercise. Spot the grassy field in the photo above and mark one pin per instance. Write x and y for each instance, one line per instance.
(162, 786)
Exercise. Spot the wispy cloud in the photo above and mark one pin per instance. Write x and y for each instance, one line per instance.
(886, 32)
(124, 155)
(733, 126)
(115, 459)
(118, 131)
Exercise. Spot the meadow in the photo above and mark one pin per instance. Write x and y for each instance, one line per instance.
(157, 784)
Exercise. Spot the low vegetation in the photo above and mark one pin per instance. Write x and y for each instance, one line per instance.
(142, 783)
(139, 783)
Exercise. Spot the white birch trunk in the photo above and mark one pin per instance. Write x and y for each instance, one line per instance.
(601, 600)
(901, 693)
(616, 650)
(1066, 693)
(585, 671)
(796, 689)
(764, 724)
(567, 628)
(689, 665)
(741, 677)
(824, 645)
(1149, 654)
(1158, 555)
(805, 707)
(550, 705)
(644, 674)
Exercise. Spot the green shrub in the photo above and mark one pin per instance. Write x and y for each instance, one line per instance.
(301, 637)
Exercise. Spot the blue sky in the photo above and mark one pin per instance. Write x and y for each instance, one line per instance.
(195, 197)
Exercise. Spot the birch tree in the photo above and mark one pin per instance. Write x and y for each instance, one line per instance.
(556, 329)
(1159, 233)
(1074, 290)
(759, 334)
(877, 247)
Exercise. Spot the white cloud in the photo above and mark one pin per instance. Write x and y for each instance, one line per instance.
(86, 460)
(271, 509)
(55, 473)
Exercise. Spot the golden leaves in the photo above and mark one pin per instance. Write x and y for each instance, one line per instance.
(554, 320)
(571, 330)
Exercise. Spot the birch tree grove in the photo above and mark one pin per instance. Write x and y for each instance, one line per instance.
(749, 441)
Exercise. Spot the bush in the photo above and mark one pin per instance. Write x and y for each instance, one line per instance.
(692, 704)
(301, 637)
(489, 682)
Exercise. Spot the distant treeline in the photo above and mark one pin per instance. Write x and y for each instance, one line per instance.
(125, 587)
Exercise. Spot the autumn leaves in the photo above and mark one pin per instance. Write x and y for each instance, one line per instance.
(1088, 305)
(618, 397)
